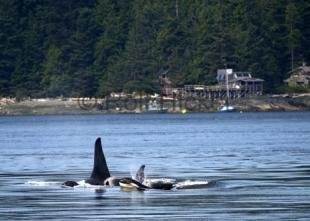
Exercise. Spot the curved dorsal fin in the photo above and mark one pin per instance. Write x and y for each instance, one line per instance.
(140, 174)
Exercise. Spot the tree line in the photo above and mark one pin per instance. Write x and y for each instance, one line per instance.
(51, 48)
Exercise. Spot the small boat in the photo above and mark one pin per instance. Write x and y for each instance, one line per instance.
(226, 107)
(154, 107)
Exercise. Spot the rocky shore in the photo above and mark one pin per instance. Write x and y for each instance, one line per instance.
(46, 106)
(285, 102)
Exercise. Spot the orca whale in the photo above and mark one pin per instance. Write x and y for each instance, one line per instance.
(100, 169)
(70, 183)
(129, 183)
(152, 185)
(101, 175)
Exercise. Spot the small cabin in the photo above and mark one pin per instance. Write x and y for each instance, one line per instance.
(299, 77)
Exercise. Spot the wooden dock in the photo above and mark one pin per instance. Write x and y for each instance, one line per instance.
(218, 91)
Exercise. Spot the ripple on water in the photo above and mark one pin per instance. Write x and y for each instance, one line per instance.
(256, 166)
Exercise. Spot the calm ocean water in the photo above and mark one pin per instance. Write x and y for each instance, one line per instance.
(258, 166)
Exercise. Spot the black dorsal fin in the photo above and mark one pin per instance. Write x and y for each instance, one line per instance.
(140, 174)
(100, 170)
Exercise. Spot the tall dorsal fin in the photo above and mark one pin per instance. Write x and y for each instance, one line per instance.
(100, 170)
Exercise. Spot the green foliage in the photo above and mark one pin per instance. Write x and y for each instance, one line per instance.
(283, 89)
(93, 47)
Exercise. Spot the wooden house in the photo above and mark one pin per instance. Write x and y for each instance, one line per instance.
(300, 76)
(240, 80)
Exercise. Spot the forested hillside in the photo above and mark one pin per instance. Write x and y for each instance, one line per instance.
(54, 48)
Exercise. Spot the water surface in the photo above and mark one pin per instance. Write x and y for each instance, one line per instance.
(257, 165)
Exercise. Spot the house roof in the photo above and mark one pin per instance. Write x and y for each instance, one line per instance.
(304, 70)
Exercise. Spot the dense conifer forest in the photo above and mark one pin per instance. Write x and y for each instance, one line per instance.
(51, 48)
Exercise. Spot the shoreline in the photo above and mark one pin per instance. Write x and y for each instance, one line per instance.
(72, 106)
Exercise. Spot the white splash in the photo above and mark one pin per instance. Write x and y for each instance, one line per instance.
(187, 184)
(149, 182)
(41, 183)
(83, 184)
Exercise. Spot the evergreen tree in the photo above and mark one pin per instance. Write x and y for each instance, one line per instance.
(94, 47)
(10, 44)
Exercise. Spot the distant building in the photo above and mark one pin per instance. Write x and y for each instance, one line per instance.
(240, 84)
(240, 80)
(299, 77)
(165, 84)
